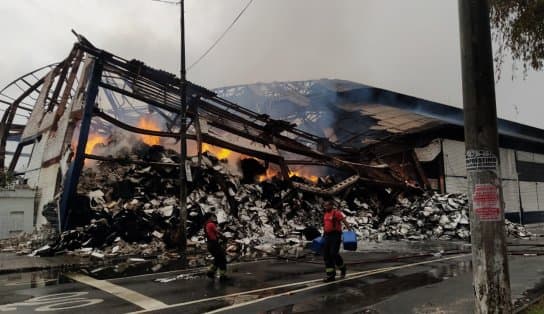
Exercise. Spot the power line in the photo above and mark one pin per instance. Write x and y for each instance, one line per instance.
(168, 1)
(220, 37)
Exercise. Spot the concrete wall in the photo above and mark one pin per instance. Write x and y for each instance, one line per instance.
(16, 211)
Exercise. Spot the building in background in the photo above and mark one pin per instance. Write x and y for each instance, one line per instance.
(16, 211)
(382, 124)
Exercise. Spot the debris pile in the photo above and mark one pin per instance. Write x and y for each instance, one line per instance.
(26, 242)
(132, 209)
(442, 217)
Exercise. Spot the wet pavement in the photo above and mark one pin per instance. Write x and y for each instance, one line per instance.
(383, 278)
(11, 262)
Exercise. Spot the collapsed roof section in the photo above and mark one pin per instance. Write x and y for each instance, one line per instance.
(354, 116)
(93, 90)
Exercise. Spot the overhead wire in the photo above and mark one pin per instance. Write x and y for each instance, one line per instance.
(221, 36)
(216, 42)
(167, 1)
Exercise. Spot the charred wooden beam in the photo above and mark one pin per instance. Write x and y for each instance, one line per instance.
(78, 55)
(9, 115)
(421, 173)
(208, 138)
(125, 161)
(99, 113)
(62, 68)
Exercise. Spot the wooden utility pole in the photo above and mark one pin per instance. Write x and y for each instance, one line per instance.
(183, 142)
(489, 259)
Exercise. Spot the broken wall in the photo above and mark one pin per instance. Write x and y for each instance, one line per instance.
(52, 124)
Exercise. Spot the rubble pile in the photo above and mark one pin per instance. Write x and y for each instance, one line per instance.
(517, 230)
(132, 209)
(26, 242)
(437, 216)
(442, 217)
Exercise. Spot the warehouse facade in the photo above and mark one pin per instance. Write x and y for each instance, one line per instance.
(521, 172)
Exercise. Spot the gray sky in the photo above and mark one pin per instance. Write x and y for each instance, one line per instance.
(406, 46)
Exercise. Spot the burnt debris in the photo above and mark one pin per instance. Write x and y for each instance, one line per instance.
(132, 209)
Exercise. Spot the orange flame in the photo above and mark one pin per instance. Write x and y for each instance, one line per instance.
(270, 173)
(306, 176)
(220, 153)
(93, 140)
(149, 124)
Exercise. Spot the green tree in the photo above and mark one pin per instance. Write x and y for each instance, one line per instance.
(518, 29)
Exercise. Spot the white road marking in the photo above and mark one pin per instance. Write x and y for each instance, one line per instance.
(53, 302)
(350, 276)
(145, 302)
(354, 276)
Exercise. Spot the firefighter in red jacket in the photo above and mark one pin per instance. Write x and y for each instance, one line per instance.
(332, 233)
(215, 249)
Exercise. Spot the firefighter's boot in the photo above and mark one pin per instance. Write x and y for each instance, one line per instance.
(343, 270)
(330, 275)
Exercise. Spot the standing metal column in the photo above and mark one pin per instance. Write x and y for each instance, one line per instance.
(488, 237)
(74, 172)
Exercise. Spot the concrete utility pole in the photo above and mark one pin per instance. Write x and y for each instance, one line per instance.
(489, 259)
(183, 142)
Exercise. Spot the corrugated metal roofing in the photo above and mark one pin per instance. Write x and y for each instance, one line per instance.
(381, 113)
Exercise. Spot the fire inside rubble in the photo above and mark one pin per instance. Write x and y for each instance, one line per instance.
(132, 209)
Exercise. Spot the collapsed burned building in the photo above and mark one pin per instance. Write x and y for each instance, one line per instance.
(299, 132)
(68, 117)
(377, 124)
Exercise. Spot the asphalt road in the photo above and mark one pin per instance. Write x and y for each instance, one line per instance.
(375, 284)
(258, 287)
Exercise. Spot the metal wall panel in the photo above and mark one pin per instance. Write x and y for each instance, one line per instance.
(508, 164)
(539, 158)
(510, 192)
(34, 123)
(456, 185)
(540, 195)
(529, 196)
(454, 158)
(35, 163)
(525, 156)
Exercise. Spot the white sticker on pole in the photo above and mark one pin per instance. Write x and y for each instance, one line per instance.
(486, 202)
(188, 173)
(481, 160)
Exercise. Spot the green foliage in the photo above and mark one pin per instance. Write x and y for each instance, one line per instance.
(518, 29)
(537, 308)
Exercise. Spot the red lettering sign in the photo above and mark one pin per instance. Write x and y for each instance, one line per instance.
(486, 202)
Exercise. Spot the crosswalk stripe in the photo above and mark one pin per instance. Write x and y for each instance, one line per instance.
(131, 296)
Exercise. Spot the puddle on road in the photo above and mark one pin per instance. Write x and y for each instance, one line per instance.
(34, 279)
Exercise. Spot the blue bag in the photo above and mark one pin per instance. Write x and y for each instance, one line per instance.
(349, 238)
(317, 244)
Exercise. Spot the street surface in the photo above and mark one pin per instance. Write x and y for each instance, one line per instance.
(377, 282)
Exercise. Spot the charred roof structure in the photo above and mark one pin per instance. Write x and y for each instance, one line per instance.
(368, 134)
(377, 124)
(66, 104)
